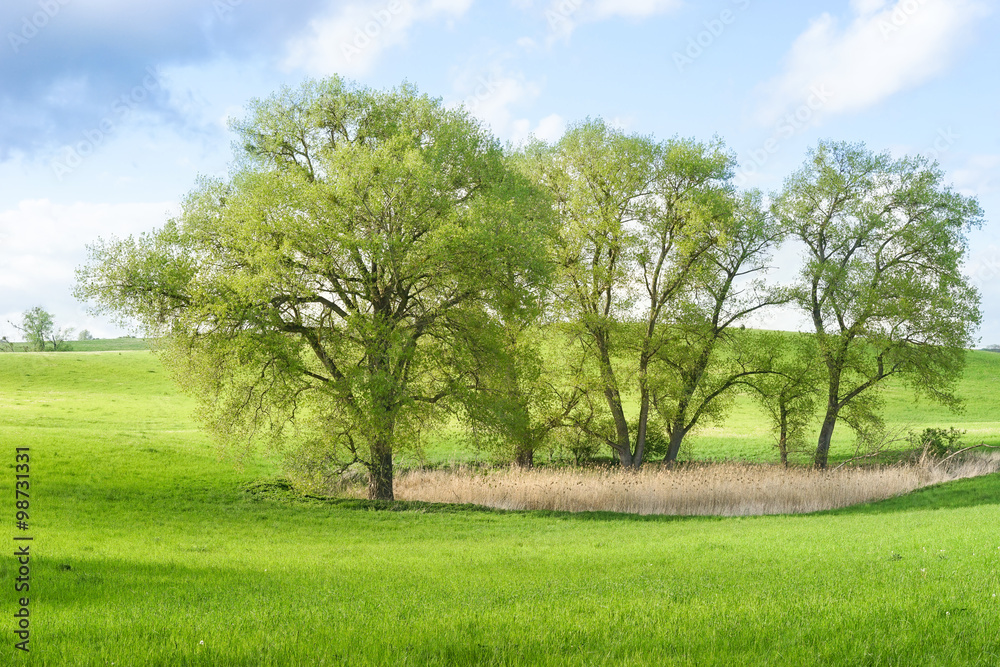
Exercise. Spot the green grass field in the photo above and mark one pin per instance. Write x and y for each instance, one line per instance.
(98, 345)
(149, 549)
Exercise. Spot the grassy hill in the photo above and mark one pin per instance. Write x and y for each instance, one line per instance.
(150, 549)
(98, 345)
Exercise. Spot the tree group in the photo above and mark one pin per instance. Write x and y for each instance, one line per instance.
(377, 263)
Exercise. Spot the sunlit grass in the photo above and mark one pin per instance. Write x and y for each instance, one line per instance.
(148, 544)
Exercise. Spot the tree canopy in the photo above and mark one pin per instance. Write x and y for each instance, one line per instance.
(327, 295)
(882, 282)
(655, 258)
(376, 263)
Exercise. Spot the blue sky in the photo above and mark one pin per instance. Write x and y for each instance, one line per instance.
(111, 109)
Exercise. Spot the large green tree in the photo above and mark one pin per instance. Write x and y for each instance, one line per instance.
(326, 296)
(882, 283)
(639, 221)
(601, 180)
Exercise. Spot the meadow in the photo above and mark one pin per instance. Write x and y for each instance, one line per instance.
(152, 549)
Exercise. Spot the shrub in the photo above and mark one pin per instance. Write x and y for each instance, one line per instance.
(937, 442)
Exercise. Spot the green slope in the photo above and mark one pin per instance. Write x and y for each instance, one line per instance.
(151, 550)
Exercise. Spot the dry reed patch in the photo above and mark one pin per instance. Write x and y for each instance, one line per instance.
(724, 489)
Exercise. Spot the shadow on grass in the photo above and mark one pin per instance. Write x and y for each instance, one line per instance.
(281, 492)
(971, 492)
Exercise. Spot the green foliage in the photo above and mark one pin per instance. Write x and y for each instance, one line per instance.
(325, 299)
(582, 445)
(788, 388)
(37, 327)
(657, 442)
(883, 282)
(937, 442)
(520, 394)
(654, 229)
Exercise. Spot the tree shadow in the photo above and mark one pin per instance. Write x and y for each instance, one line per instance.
(972, 492)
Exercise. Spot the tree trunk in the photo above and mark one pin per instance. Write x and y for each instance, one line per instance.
(624, 446)
(825, 435)
(380, 472)
(677, 434)
(783, 436)
(524, 457)
(678, 429)
(643, 425)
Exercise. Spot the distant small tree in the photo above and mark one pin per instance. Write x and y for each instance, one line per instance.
(36, 326)
(6, 345)
(58, 338)
(84, 335)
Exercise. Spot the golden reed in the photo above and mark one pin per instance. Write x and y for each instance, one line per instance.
(720, 489)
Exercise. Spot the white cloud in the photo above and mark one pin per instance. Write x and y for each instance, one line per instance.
(527, 44)
(883, 50)
(636, 9)
(551, 128)
(498, 98)
(42, 242)
(492, 97)
(563, 16)
(350, 39)
(979, 176)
